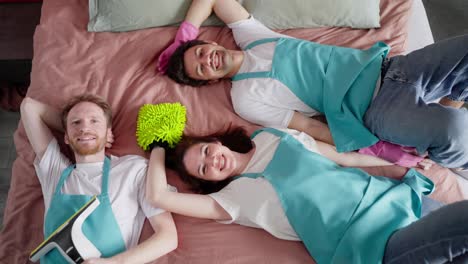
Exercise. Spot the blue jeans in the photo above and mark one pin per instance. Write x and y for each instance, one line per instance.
(439, 237)
(402, 111)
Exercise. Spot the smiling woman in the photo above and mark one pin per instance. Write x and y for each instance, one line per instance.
(214, 162)
(266, 183)
(202, 156)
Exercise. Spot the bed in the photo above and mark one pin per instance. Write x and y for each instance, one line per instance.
(68, 60)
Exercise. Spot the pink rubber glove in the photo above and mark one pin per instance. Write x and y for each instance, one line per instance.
(393, 153)
(187, 31)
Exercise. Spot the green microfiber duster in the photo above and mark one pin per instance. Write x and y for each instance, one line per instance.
(160, 124)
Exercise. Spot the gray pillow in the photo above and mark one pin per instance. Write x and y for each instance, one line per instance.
(126, 15)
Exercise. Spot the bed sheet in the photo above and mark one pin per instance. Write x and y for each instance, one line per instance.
(68, 60)
(419, 30)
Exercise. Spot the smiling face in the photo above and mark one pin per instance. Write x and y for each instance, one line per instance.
(210, 161)
(208, 62)
(86, 129)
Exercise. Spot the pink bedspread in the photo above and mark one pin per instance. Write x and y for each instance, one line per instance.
(120, 66)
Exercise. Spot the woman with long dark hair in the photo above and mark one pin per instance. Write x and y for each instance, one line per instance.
(297, 188)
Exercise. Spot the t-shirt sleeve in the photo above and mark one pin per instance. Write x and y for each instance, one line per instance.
(227, 198)
(306, 140)
(50, 168)
(258, 112)
(249, 30)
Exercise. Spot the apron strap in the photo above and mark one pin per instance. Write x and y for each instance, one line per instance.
(248, 175)
(263, 74)
(260, 42)
(275, 132)
(105, 177)
(248, 75)
(63, 178)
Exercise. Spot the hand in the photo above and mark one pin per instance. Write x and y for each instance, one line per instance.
(403, 156)
(425, 164)
(110, 139)
(159, 144)
(99, 261)
(413, 151)
(186, 32)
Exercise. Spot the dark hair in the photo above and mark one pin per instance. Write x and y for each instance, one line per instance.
(91, 98)
(236, 140)
(176, 68)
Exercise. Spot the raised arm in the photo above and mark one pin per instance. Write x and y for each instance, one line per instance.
(163, 241)
(228, 11)
(194, 205)
(38, 119)
(350, 159)
(314, 128)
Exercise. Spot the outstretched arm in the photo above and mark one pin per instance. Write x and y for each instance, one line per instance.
(393, 171)
(163, 241)
(194, 205)
(38, 118)
(349, 159)
(314, 128)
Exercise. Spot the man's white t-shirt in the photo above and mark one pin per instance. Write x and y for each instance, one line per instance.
(263, 101)
(254, 202)
(126, 187)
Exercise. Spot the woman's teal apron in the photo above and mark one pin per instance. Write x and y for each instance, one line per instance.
(100, 227)
(343, 215)
(336, 81)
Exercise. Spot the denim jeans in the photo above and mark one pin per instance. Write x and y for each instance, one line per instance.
(403, 112)
(439, 237)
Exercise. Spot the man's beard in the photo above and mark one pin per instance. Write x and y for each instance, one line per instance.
(88, 149)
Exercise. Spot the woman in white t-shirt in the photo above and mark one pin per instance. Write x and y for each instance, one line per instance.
(292, 186)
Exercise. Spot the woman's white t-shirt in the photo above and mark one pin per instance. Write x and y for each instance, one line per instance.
(254, 202)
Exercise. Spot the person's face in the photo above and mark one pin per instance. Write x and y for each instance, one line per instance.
(87, 130)
(210, 161)
(208, 62)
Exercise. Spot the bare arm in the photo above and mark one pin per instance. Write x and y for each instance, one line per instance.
(350, 159)
(163, 241)
(38, 119)
(228, 11)
(314, 128)
(393, 171)
(194, 205)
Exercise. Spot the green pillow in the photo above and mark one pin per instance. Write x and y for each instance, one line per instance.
(126, 15)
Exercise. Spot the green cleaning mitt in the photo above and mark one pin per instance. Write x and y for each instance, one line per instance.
(160, 124)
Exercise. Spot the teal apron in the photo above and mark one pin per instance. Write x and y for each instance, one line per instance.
(100, 227)
(343, 215)
(336, 81)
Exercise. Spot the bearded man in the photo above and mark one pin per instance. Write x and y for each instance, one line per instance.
(118, 182)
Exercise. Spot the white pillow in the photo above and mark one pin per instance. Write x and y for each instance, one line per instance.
(126, 15)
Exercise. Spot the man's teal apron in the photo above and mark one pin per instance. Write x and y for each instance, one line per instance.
(100, 227)
(336, 81)
(343, 215)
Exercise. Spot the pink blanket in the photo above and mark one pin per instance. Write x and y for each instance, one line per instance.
(120, 67)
